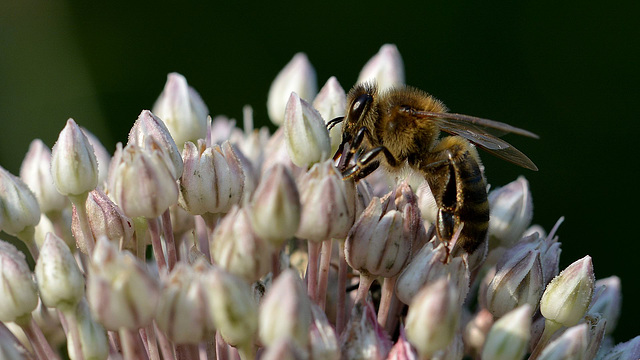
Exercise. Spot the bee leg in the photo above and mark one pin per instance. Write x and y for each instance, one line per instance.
(334, 122)
(364, 164)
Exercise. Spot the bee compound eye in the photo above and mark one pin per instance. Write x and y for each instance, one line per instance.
(359, 105)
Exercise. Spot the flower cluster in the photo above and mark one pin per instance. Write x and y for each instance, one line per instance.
(199, 240)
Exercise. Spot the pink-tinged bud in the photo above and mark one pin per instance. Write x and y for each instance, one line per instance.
(11, 347)
(212, 181)
(568, 295)
(143, 185)
(120, 290)
(386, 68)
(297, 76)
(331, 103)
(35, 171)
(607, 301)
(60, 281)
(275, 207)
(364, 338)
(511, 211)
(322, 336)
(285, 311)
(19, 297)
(236, 247)
(105, 219)
(426, 267)
(19, 210)
(572, 344)
(629, 350)
(284, 349)
(93, 337)
(305, 133)
(433, 318)
(380, 242)
(102, 156)
(328, 204)
(549, 249)
(509, 336)
(232, 307)
(182, 110)
(475, 332)
(275, 151)
(596, 331)
(518, 281)
(150, 133)
(182, 308)
(74, 167)
(402, 349)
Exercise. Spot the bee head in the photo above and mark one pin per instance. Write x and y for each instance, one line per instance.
(360, 102)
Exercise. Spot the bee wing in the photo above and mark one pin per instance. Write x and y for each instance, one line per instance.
(483, 132)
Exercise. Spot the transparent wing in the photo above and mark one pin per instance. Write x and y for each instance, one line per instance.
(481, 132)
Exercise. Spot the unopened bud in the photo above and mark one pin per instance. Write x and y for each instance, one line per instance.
(511, 211)
(19, 297)
(509, 336)
(386, 68)
(305, 133)
(182, 110)
(572, 344)
(629, 350)
(607, 301)
(102, 157)
(297, 76)
(19, 210)
(35, 171)
(60, 281)
(364, 338)
(74, 167)
(331, 103)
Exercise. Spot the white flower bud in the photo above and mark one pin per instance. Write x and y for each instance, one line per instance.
(19, 208)
(509, 336)
(511, 211)
(297, 76)
(385, 68)
(182, 110)
(607, 301)
(35, 171)
(629, 350)
(331, 102)
(60, 281)
(364, 338)
(19, 297)
(322, 337)
(102, 156)
(571, 345)
(74, 167)
(305, 133)
(93, 337)
(568, 295)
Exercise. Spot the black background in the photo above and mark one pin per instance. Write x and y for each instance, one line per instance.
(568, 72)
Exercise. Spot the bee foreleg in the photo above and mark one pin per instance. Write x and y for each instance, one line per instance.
(334, 122)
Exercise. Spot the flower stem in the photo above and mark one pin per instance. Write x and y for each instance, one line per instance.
(156, 243)
(550, 327)
(387, 302)
(165, 345)
(40, 345)
(152, 344)
(186, 351)
(69, 315)
(363, 287)
(172, 249)
(341, 311)
(80, 202)
(131, 348)
(312, 270)
(325, 264)
(28, 237)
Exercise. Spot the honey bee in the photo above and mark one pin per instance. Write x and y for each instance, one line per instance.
(402, 126)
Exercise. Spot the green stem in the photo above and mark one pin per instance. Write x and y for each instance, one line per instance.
(156, 243)
(69, 314)
(80, 202)
(550, 328)
(28, 237)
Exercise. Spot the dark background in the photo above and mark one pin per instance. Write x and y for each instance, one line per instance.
(568, 72)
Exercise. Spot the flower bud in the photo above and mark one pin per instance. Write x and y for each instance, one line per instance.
(150, 133)
(379, 243)
(232, 307)
(236, 248)
(402, 349)
(425, 267)
(607, 301)
(385, 68)
(331, 103)
(305, 133)
(509, 336)
(511, 211)
(328, 204)
(572, 344)
(285, 311)
(517, 282)
(213, 179)
(105, 219)
(19, 208)
(144, 185)
(35, 171)
(74, 167)
(364, 338)
(181, 108)
(93, 337)
(102, 157)
(182, 308)
(567, 297)
(284, 349)
(60, 281)
(324, 344)
(120, 290)
(625, 351)
(10, 346)
(19, 297)
(297, 76)
(433, 317)
(476, 330)
(275, 208)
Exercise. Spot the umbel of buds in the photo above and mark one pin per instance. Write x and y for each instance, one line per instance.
(200, 239)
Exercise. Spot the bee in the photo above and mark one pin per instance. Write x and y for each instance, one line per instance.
(402, 126)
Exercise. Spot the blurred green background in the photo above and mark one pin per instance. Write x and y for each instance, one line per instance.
(568, 72)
